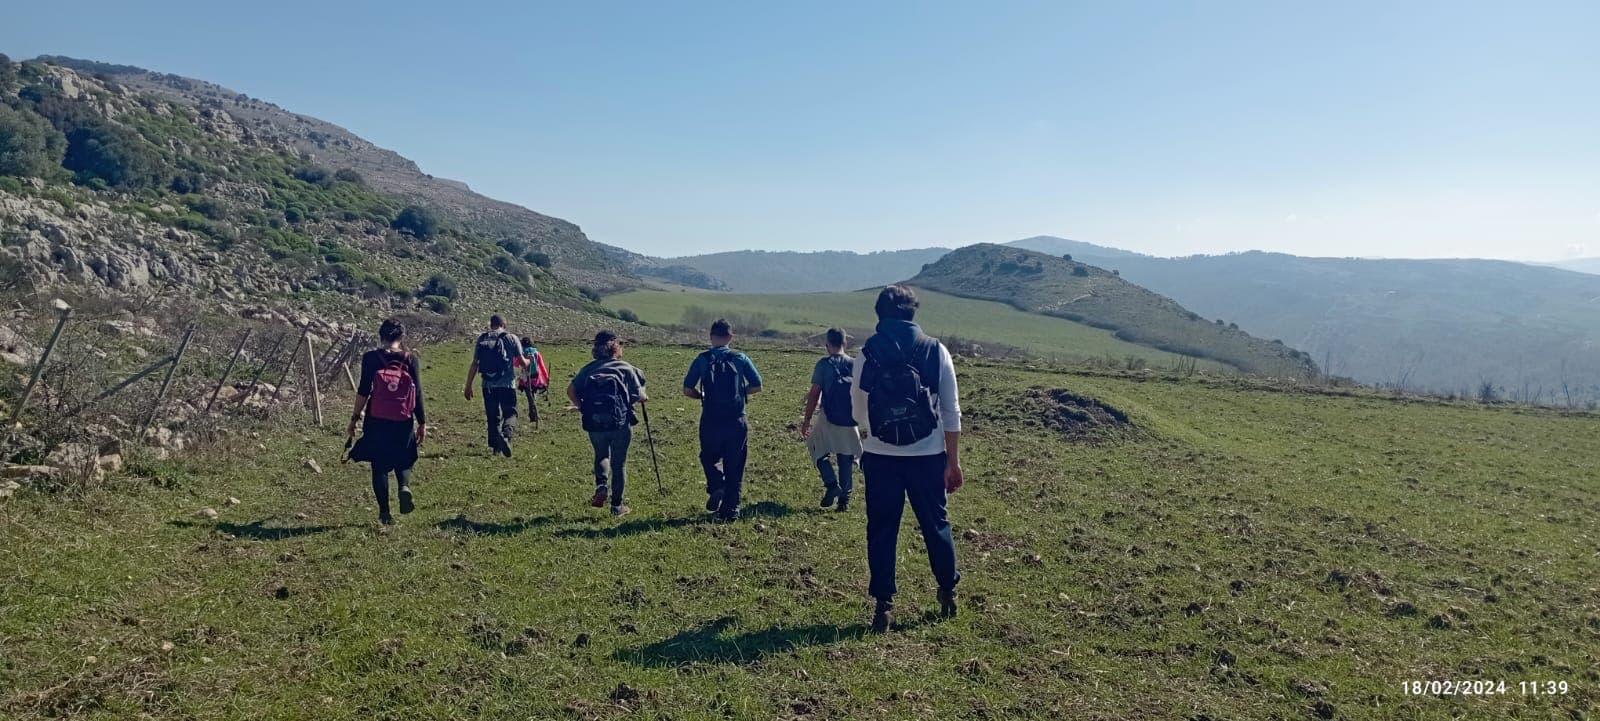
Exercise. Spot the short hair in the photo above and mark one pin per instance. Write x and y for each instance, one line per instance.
(391, 330)
(527, 341)
(836, 337)
(607, 345)
(721, 329)
(495, 321)
(896, 302)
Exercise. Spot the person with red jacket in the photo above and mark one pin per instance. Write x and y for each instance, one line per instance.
(533, 378)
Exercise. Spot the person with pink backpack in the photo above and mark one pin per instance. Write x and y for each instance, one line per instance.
(389, 397)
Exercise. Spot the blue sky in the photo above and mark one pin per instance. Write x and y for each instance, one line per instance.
(1411, 129)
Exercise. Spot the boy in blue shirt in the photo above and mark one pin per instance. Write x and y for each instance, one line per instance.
(721, 379)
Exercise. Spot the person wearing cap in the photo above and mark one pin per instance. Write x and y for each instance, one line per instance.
(604, 392)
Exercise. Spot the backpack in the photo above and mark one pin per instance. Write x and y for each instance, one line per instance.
(722, 389)
(491, 354)
(836, 403)
(541, 377)
(900, 384)
(604, 402)
(394, 391)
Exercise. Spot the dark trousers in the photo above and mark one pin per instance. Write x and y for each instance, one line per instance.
(844, 480)
(533, 404)
(891, 481)
(611, 460)
(380, 483)
(500, 412)
(725, 442)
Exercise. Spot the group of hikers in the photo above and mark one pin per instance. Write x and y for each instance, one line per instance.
(901, 389)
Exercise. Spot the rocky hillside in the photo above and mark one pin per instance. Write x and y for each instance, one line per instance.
(1052, 285)
(126, 181)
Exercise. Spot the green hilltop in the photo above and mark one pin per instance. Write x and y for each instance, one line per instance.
(1051, 285)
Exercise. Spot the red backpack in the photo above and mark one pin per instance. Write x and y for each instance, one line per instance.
(394, 391)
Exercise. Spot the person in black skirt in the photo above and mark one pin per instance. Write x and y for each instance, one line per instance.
(389, 397)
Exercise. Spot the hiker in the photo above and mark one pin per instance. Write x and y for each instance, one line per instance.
(604, 392)
(721, 379)
(835, 433)
(533, 378)
(497, 356)
(906, 397)
(389, 398)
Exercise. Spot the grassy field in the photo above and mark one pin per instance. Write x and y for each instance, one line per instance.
(1234, 554)
(941, 315)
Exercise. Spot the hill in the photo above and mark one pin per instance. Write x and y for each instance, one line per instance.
(127, 184)
(1047, 284)
(1448, 326)
(1581, 265)
(975, 327)
(1236, 553)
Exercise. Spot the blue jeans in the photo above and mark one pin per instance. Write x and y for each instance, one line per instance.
(611, 459)
(844, 480)
(891, 481)
(726, 442)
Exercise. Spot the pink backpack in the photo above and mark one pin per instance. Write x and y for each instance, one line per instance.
(394, 391)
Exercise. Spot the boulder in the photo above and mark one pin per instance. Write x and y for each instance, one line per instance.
(9, 487)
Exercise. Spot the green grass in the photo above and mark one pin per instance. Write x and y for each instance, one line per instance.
(941, 314)
(1236, 544)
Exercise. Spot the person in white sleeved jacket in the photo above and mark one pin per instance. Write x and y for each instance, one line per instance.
(906, 397)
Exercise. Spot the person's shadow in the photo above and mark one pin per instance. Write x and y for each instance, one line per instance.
(764, 509)
(259, 530)
(462, 524)
(707, 643)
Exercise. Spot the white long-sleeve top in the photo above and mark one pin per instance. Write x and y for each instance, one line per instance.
(947, 408)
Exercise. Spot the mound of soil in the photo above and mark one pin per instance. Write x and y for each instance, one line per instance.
(1073, 415)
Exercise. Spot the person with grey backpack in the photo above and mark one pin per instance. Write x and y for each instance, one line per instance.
(496, 356)
(835, 434)
(604, 392)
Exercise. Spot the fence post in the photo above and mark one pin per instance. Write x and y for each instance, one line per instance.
(229, 371)
(316, 396)
(289, 365)
(38, 370)
(266, 362)
(161, 395)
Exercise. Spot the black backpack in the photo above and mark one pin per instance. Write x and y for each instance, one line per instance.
(604, 402)
(836, 404)
(900, 383)
(721, 387)
(493, 359)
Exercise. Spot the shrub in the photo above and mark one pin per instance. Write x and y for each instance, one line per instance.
(101, 154)
(417, 221)
(627, 315)
(509, 266)
(513, 246)
(439, 285)
(1067, 257)
(437, 303)
(315, 175)
(209, 207)
(590, 293)
(349, 175)
(29, 146)
(538, 258)
(1080, 271)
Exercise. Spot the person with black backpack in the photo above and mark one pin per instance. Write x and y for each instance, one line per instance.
(389, 397)
(722, 379)
(835, 433)
(906, 396)
(497, 355)
(604, 392)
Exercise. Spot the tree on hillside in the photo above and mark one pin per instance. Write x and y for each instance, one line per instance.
(109, 155)
(349, 175)
(1080, 271)
(29, 146)
(538, 258)
(417, 221)
(440, 285)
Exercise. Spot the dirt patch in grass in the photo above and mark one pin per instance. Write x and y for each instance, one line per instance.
(1078, 418)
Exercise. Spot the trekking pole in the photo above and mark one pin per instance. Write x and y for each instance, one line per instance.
(651, 436)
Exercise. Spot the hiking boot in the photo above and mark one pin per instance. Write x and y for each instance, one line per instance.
(406, 504)
(947, 603)
(829, 496)
(882, 616)
(844, 502)
(621, 510)
(599, 500)
(728, 516)
(384, 518)
(505, 448)
(713, 501)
